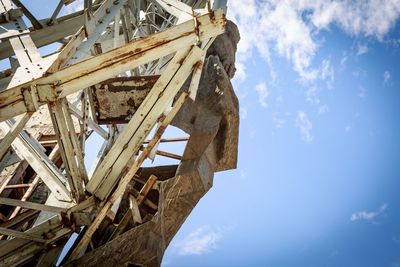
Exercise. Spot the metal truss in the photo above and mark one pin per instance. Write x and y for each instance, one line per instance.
(50, 105)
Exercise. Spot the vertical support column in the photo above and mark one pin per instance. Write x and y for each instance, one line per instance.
(70, 150)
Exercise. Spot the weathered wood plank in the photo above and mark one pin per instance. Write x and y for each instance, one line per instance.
(30, 205)
(38, 160)
(127, 178)
(20, 218)
(110, 64)
(13, 133)
(79, 48)
(17, 234)
(134, 207)
(94, 126)
(146, 189)
(65, 133)
(105, 177)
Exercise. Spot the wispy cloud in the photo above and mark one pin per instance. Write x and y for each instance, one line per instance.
(240, 74)
(198, 242)
(368, 215)
(269, 26)
(327, 72)
(362, 49)
(344, 59)
(305, 126)
(312, 95)
(263, 94)
(387, 77)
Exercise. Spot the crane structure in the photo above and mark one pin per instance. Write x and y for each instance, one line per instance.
(121, 71)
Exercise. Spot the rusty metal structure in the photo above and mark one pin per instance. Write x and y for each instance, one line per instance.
(123, 71)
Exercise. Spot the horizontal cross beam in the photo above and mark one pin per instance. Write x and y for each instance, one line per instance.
(107, 65)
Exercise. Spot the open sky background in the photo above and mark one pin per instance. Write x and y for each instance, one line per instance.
(318, 173)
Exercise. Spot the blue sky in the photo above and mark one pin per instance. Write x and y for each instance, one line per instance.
(318, 175)
(318, 172)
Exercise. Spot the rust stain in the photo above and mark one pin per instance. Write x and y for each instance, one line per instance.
(198, 65)
(129, 56)
(131, 102)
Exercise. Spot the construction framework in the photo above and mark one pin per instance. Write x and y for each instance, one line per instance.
(121, 70)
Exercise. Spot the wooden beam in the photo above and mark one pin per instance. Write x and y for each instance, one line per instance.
(26, 195)
(94, 126)
(70, 150)
(66, 26)
(87, 203)
(25, 50)
(22, 235)
(175, 8)
(27, 215)
(134, 207)
(32, 152)
(121, 225)
(13, 133)
(169, 140)
(123, 183)
(110, 64)
(166, 154)
(194, 83)
(48, 258)
(155, 103)
(36, 23)
(18, 172)
(54, 153)
(56, 11)
(146, 189)
(30, 205)
(8, 248)
(78, 48)
(17, 186)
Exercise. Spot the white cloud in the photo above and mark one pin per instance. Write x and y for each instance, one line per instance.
(312, 96)
(240, 74)
(347, 129)
(305, 126)
(387, 77)
(344, 59)
(362, 49)
(368, 216)
(263, 94)
(291, 27)
(327, 73)
(198, 242)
